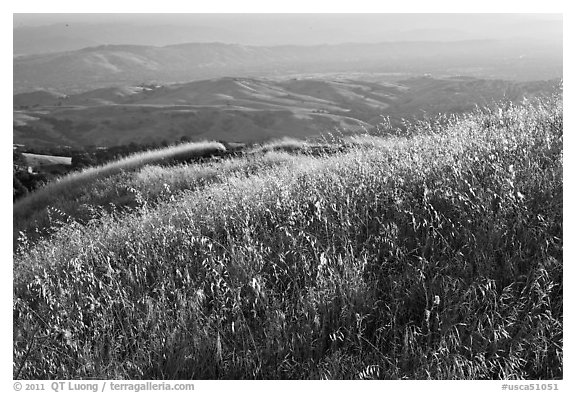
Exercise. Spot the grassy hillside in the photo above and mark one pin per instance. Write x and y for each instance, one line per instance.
(432, 256)
(76, 195)
(41, 213)
(252, 110)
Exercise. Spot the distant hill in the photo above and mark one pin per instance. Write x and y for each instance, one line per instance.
(36, 98)
(38, 160)
(247, 109)
(113, 65)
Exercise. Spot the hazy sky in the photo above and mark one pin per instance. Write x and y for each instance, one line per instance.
(412, 20)
(272, 29)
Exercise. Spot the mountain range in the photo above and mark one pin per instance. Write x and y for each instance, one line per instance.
(114, 65)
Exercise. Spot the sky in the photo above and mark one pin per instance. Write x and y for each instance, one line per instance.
(37, 19)
(88, 29)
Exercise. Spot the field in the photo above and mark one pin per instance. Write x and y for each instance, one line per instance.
(35, 160)
(431, 254)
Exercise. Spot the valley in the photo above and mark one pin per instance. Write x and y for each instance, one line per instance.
(250, 110)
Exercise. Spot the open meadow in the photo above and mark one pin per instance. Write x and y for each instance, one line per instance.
(435, 253)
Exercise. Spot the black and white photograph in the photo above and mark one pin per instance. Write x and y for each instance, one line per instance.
(203, 196)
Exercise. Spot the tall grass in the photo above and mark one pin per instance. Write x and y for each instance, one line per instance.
(434, 256)
(59, 195)
(286, 144)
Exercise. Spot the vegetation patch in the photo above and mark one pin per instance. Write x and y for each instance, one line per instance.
(434, 256)
(30, 211)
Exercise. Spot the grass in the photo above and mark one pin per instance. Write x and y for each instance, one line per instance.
(286, 144)
(64, 197)
(435, 256)
(35, 160)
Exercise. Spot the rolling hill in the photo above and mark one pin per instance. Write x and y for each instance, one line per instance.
(247, 109)
(433, 256)
(113, 65)
(37, 98)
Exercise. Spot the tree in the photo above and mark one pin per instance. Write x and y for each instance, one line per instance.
(18, 189)
(18, 159)
(82, 160)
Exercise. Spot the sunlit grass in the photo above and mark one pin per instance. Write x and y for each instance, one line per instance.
(432, 256)
(30, 211)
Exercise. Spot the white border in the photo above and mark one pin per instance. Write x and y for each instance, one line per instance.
(300, 6)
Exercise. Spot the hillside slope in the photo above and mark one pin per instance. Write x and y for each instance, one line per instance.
(248, 109)
(437, 256)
